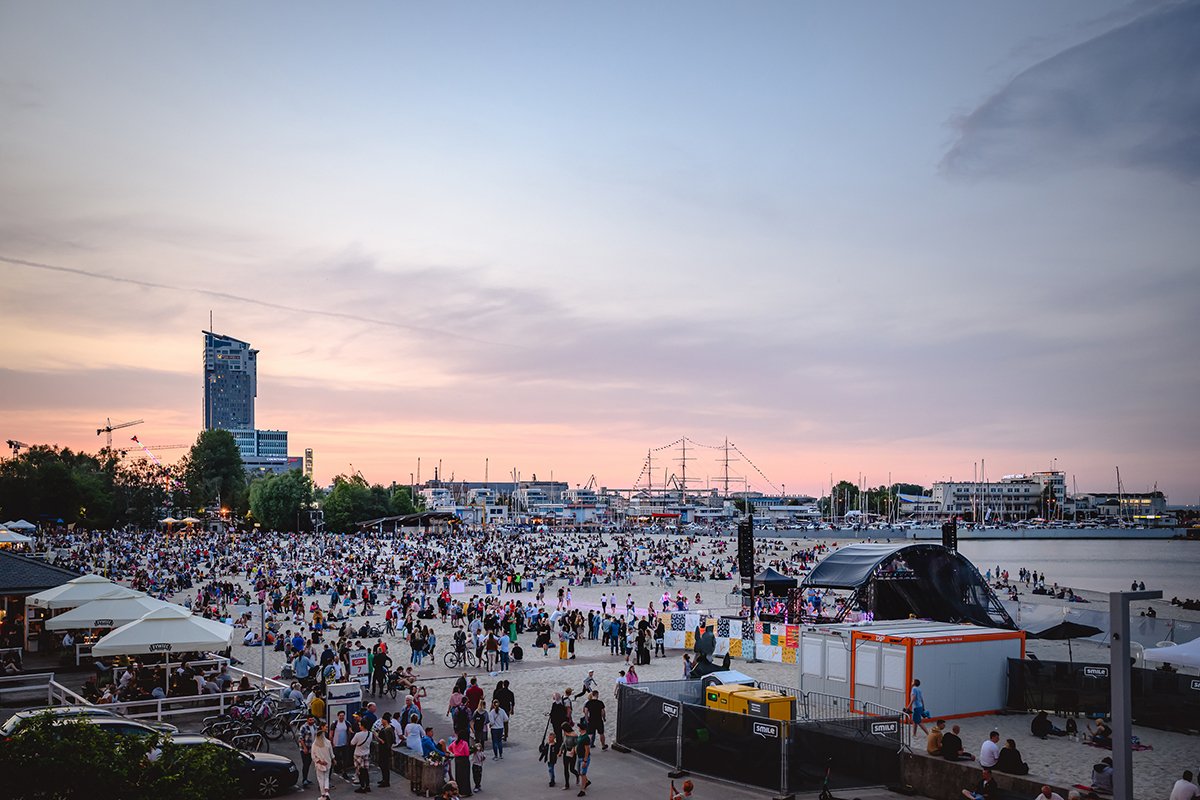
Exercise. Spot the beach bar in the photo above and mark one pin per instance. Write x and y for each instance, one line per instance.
(962, 668)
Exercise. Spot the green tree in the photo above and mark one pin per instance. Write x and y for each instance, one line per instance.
(213, 472)
(401, 500)
(49, 759)
(352, 499)
(277, 501)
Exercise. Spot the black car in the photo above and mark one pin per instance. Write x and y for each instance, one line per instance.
(260, 774)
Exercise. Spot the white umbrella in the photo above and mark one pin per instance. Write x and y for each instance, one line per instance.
(107, 612)
(78, 591)
(1183, 655)
(169, 520)
(165, 630)
(12, 537)
(189, 520)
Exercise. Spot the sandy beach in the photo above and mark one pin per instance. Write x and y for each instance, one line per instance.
(537, 677)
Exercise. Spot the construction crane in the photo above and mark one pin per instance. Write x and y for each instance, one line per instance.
(150, 450)
(109, 428)
(16, 446)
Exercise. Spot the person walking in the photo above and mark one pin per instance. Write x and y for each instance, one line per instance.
(305, 737)
(322, 758)
(916, 706)
(496, 720)
(583, 759)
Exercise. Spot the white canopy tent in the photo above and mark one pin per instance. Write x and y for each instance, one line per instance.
(20, 525)
(107, 612)
(78, 591)
(8, 536)
(1181, 655)
(165, 630)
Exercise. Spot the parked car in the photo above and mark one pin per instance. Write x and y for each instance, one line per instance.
(260, 774)
(109, 719)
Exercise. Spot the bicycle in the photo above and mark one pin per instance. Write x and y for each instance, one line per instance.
(454, 659)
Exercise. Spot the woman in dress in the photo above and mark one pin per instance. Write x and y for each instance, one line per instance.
(322, 756)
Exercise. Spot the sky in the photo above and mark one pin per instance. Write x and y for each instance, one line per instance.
(870, 239)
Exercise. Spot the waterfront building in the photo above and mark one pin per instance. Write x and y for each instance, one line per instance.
(1013, 497)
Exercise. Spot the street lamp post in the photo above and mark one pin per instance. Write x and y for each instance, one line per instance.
(1122, 703)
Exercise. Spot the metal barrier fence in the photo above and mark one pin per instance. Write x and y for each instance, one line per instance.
(858, 717)
(667, 721)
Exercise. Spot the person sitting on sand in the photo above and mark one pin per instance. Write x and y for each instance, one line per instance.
(1049, 794)
(952, 746)
(1102, 735)
(933, 743)
(1041, 726)
(1010, 760)
(1102, 776)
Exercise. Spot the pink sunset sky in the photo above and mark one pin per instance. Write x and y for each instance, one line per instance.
(554, 240)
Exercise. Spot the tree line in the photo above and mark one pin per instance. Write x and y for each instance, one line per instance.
(47, 484)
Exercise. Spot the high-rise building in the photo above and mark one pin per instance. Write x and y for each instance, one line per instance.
(230, 387)
(230, 383)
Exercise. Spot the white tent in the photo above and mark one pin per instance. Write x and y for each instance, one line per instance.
(8, 536)
(20, 525)
(165, 630)
(78, 591)
(107, 612)
(1181, 655)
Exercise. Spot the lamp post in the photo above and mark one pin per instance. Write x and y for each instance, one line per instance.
(1119, 675)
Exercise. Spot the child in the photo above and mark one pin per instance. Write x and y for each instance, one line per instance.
(478, 759)
(551, 755)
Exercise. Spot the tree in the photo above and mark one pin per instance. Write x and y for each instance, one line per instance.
(53, 759)
(278, 500)
(353, 500)
(214, 473)
(401, 500)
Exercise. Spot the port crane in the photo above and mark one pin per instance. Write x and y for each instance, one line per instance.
(16, 446)
(109, 428)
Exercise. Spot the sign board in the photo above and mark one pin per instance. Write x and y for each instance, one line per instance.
(671, 709)
(458, 587)
(767, 730)
(1196, 685)
(342, 697)
(1095, 672)
(160, 647)
(102, 623)
(885, 728)
(358, 666)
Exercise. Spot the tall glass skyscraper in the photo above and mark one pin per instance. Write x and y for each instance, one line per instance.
(230, 383)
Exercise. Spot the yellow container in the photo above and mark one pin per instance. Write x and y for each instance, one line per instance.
(726, 697)
(764, 703)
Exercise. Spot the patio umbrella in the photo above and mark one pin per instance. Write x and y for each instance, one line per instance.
(107, 612)
(1067, 630)
(168, 520)
(78, 591)
(164, 630)
(189, 520)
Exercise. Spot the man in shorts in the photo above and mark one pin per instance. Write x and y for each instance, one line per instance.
(594, 713)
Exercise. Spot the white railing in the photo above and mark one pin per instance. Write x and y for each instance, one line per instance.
(25, 683)
(59, 695)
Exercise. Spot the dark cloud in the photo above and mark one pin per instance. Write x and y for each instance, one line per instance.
(1129, 97)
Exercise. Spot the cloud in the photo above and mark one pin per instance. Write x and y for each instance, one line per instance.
(1127, 98)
